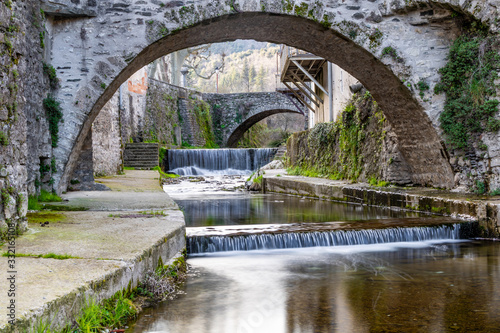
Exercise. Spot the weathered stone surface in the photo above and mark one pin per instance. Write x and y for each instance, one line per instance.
(234, 114)
(423, 49)
(424, 200)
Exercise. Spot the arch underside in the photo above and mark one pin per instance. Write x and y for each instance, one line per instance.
(419, 143)
(238, 132)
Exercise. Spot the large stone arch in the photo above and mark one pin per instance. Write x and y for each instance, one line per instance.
(98, 53)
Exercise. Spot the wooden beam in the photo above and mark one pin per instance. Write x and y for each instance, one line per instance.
(306, 94)
(299, 97)
(308, 88)
(310, 76)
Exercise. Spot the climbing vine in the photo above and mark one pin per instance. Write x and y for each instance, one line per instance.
(468, 80)
(54, 116)
(335, 150)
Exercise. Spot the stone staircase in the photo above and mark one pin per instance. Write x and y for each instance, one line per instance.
(141, 155)
(280, 153)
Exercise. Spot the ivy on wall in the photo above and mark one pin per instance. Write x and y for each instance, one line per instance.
(335, 150)
(468, 80)
(54, 116)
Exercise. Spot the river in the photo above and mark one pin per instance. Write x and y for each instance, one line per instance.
(436, 284)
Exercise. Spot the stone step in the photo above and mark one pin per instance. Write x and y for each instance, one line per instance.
(140, 144)
(140, 165)
(140, 155)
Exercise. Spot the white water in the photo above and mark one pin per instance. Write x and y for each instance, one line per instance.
(186, 162)
(269, 241)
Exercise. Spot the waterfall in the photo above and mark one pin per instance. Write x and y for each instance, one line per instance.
(218, 161)
(267, 241)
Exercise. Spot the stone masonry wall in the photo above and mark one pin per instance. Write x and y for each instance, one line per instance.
(161, 119)
(235, 111)
(121, 120)
(24, 138)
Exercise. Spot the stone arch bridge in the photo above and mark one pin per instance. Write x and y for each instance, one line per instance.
(234, 114)
(101, 43)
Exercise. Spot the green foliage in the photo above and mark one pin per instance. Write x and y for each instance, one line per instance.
(334, 150)
(375, 182)
(480, 187)
(4, 140)
(161, 154)
(33, 203)
(50, 71)
(54, 116)
(163, 174)
(53, 166)
(422, 86)
(46, 196)
(258, 180)
(103, 85)
(468, 82)
(128, 168)
(391, 52)
(495, 192)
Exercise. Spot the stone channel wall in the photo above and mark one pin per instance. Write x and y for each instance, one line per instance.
(428, 201)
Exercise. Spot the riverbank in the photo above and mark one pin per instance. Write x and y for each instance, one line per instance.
(484, 209)
(109, 240)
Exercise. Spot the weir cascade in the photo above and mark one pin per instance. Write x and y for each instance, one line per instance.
(187, 162)
(197, 244)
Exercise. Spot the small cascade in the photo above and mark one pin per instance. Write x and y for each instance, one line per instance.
(186, 162)
(267, 241)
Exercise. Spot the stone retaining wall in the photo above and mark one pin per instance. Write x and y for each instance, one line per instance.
(428, 201)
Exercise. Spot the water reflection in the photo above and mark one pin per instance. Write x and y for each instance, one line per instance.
(404, 287)
(274, 209)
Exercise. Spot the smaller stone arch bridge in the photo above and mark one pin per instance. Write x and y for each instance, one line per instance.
(234, 114)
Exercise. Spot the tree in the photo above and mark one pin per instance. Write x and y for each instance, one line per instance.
(198, 56)
(248, 75)
(260, 80)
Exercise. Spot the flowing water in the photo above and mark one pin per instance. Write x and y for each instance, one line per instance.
(218, 161)
(275, 263)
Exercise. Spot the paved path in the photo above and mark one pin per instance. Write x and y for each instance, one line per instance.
(120, 236)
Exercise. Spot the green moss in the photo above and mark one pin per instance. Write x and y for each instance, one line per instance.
(204, 120)
(301, 10)
(325, 22)
(468, 82)
(163, 174)
(378, 183)
(128, 168)
(50, 71)
(4, 140)
(40, 217)
(375, 39)
(287, 5)
(33, 203)
(334, 150)
(46, 196)
(391, 52)
(50, 255)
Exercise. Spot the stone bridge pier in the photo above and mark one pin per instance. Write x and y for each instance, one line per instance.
(234, 114)
(101, 43)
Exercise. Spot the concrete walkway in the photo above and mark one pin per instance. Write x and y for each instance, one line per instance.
(118, 238)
